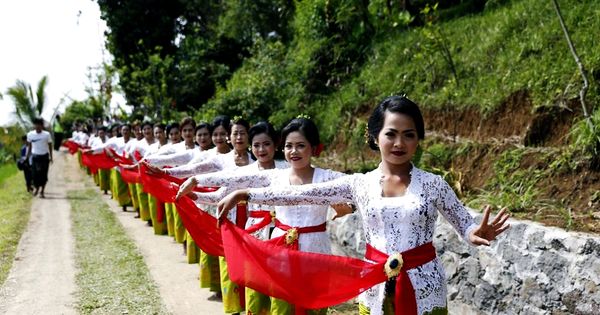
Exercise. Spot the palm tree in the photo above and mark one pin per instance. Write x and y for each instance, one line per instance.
(28, 105)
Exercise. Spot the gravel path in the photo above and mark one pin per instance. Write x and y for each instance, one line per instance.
(177, 281)
(41, 280)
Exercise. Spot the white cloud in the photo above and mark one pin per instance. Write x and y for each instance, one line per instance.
(61, 39)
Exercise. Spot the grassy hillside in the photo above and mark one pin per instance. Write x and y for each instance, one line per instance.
(513, 47)
(498, 88)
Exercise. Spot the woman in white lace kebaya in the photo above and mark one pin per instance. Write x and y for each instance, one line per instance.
(301, 142)
(232, 160)
(263, 140)
(399, 205)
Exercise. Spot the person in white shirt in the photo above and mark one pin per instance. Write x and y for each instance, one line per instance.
(39, 148)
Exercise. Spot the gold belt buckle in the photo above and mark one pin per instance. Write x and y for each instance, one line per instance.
(291, 236)
(393, 265)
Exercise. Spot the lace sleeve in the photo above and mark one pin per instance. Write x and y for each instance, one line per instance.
(98, 148)
(236, 180)
(453, 210)
(167, 149)
(333, 192)
(180, 158)
(212, 198)
(208, 166)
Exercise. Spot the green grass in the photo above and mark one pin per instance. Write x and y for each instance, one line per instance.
(14, 215)
(6, 171)
(112, 276)
(517, 46)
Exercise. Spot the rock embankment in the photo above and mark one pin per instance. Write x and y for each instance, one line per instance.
(532, 269)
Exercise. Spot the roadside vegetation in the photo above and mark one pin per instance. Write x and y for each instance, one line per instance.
(112, 276)
(14, 215)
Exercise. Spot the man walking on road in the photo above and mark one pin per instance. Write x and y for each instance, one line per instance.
(39, 147)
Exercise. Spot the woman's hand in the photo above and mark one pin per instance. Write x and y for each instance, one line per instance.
(487, 232)
(109, 154)
(128, 166)
(341, 210)
(153, 170)
(229, 202)
(187, 187)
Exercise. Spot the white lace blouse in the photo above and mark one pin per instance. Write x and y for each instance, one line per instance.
(391, 224)
(227, 178)
(181, 157)
(304, 215)
(207, 164)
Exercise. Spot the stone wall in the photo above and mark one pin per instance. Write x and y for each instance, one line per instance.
(531, 269)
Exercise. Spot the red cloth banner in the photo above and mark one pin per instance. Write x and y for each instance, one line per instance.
(201, 226)
(72, 146)
(120, 158)
(308, 280)
(130, 176)
(98, 161)
(87, 161)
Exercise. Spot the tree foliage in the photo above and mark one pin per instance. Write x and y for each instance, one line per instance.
(332, 59)
(28, 105)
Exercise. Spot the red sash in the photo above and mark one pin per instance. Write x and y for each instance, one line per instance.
(293, 233)
(405, 302)
(267, 218)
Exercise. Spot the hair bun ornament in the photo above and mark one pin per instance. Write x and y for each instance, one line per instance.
(305, 116)
(319, 149)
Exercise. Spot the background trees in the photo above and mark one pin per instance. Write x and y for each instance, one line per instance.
(28, 105)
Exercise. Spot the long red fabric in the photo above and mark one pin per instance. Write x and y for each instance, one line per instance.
(98, 161)
(309, 280)
(404, 293)
(120, 158)
(72, 146)
(201, 226)
(130, 176)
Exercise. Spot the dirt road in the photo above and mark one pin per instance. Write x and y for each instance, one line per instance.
(41, 280)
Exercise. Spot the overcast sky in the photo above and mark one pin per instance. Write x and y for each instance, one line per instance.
(60, 39)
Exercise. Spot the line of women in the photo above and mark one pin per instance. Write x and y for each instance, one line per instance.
(174, 145)
(286, 203)
(397, 202)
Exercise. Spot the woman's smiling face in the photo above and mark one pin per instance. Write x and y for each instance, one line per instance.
(398, 139)
(297, 150)
(263, 148)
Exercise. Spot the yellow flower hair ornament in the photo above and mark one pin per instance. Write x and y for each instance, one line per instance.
(305, 116)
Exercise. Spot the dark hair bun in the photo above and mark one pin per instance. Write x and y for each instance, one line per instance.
(306, 127)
